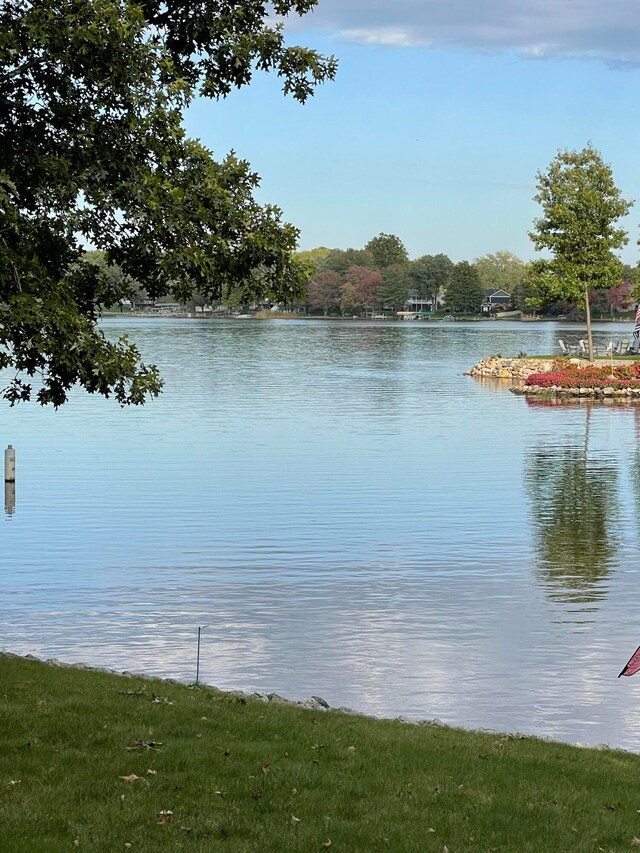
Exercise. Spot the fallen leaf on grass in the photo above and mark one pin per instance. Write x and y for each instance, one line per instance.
(635, 841)
(160, 700)
(294, 820)
(131, 778)
(128, 845)
(265, 768)
(186, 829)
(165, 816)
(326, 843)
(144, 744)
(15, 781)
(256, 795)
(76, 842)
(152, 772)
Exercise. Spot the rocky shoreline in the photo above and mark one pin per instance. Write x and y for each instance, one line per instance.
(497, 367)
(559, 391)
(313, 703)
(519, 370)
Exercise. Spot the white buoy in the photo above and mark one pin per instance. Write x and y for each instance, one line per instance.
(10, 465)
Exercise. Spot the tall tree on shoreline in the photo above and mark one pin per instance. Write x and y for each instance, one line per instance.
(339, 260)
(464, 291)
(580, 208)
(430, 276)
(500, 271)
(93, 153)
(386, 250)
(395, 286)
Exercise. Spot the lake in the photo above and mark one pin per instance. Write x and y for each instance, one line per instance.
(349, 515)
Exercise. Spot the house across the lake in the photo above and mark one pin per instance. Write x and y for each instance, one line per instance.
(495, 300)
(418, 305)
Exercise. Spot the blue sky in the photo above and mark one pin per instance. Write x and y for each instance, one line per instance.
(439, 118)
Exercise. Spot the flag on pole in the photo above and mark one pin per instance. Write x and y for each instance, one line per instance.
(636, 328)
(633, 664)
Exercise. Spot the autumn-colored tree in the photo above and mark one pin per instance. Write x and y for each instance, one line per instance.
(324, 291)
(619, 296)
(361, 289)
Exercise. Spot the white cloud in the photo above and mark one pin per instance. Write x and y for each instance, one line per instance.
(605, 29)
(385, 35)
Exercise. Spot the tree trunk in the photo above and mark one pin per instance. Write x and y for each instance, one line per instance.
(588, 314)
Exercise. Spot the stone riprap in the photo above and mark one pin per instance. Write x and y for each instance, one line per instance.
(313, 703)
(559, 391)
(497, 367)
(519, 369)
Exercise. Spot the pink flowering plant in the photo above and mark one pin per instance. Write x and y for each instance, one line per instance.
(568, 375)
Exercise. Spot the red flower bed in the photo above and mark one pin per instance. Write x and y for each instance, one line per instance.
(568, 375)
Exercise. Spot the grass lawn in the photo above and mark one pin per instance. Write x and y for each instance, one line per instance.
(244, 775)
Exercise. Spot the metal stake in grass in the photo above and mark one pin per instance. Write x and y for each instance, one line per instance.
(200, 628)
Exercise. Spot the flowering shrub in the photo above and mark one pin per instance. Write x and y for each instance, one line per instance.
(568, 375)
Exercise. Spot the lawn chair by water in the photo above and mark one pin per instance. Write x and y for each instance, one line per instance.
(583, 348)
(609, 349)
(634, 349)
(622, 348)
(567, 350)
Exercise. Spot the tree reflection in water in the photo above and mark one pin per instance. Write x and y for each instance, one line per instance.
(575, 509)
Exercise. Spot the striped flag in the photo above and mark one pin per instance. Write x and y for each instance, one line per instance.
(633, 664)
(636, 328)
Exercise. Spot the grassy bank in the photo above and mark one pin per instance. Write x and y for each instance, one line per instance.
(244, 775)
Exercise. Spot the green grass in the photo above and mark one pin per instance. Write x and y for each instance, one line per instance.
(244, 775)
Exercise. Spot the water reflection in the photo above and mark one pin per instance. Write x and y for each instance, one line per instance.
(348, 513)
(634, 467)
(575, 512)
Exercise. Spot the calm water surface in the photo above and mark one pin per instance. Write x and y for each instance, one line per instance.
(350, 515)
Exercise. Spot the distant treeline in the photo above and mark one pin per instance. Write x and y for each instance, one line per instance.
(380, 278)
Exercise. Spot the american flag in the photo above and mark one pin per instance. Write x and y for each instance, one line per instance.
(636, 328)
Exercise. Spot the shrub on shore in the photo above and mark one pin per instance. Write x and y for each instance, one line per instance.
(569, 375)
